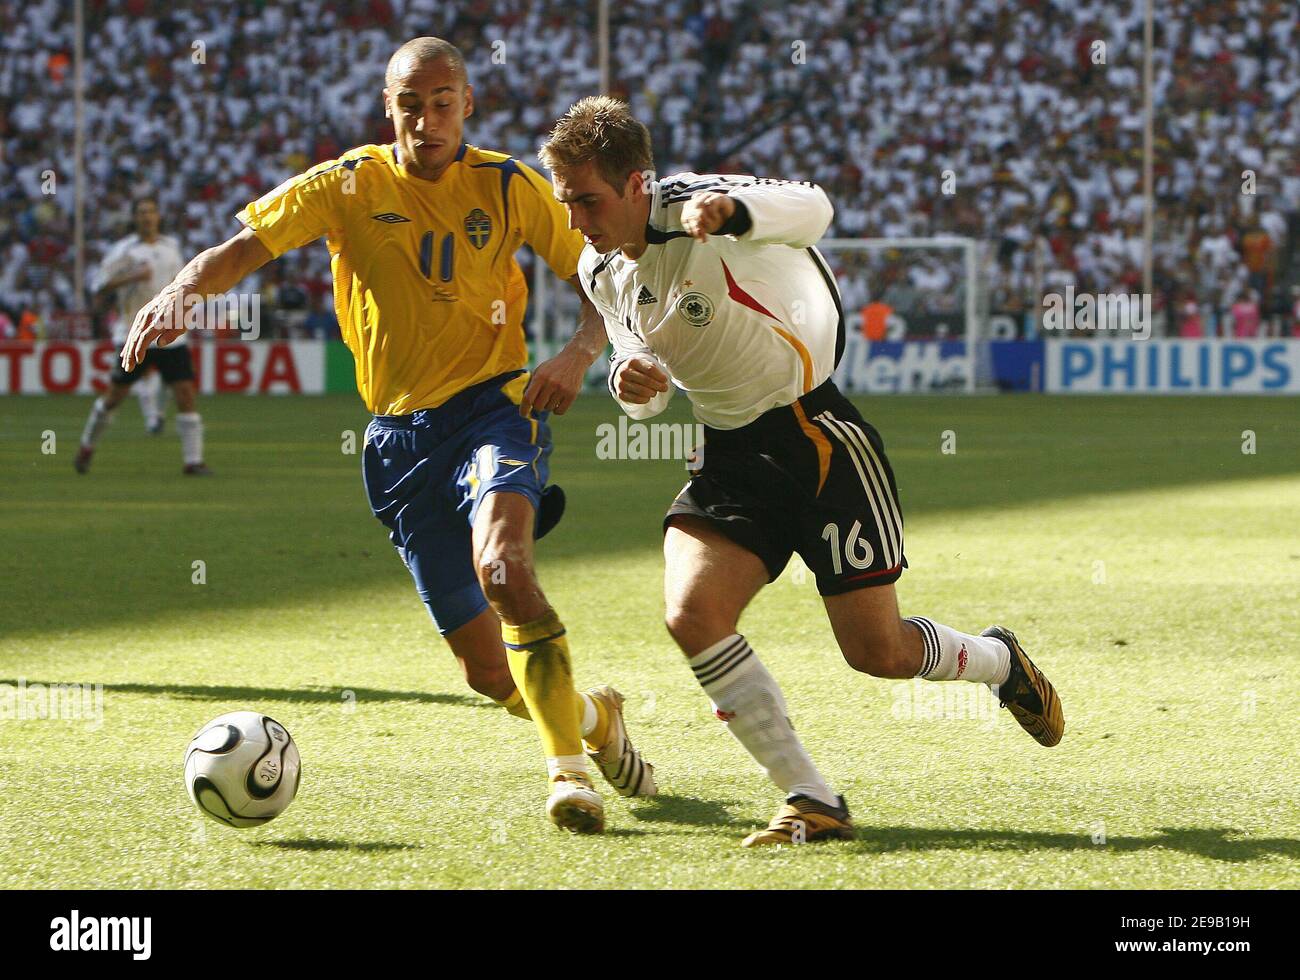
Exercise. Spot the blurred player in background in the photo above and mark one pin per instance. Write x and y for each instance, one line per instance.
(136, 268)
(712, 283)
(422, 235)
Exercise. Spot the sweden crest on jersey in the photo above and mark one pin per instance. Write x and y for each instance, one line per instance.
(478, 226)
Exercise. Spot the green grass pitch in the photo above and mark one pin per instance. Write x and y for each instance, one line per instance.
(1151, 567)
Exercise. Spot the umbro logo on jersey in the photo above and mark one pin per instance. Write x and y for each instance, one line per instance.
(389, 218)
(645, 297)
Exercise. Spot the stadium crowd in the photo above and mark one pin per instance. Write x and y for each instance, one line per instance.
(1016, 123)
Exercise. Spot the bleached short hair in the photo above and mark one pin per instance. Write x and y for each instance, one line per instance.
(601, 130)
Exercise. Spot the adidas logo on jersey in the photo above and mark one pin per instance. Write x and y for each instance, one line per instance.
(645, 297)
(389, 218)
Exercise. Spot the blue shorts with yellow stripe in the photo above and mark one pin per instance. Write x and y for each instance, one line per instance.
(427, 473)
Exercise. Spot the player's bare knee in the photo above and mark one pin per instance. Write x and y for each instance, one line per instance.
(499, 570)
(695, 627)
(490, 680)
(507, 579)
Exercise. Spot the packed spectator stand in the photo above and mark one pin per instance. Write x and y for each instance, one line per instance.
(1037, 128)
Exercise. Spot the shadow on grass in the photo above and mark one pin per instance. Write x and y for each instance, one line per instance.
(96, 561)
(1220, 844)
(666, 808)
(1217, 843)
(317, 844)
(319, 695)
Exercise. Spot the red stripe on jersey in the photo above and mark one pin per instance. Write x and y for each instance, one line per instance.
(884, 571)
(742, 297)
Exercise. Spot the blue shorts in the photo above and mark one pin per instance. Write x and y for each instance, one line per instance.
(427, 473)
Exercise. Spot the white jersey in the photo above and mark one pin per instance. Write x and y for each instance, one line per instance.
(162, 255)
(741, 323)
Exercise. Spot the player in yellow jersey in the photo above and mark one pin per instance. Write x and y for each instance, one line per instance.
(430, 300)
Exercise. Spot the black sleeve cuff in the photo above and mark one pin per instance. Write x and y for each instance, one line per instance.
(613, 370)
(739, 222)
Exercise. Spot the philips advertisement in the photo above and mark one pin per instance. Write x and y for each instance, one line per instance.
(1173, 367)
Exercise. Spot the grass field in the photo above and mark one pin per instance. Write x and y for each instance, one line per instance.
(1150, 566)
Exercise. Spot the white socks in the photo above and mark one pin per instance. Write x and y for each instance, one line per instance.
(96, 423)
(589, 717)
(149, 391)
(190, 427)
(952, 656)
(566, 763)
(188, 424)
(748, 700)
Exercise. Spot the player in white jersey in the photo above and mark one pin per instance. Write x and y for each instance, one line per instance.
(712, 284)
(128, 269)
(136, 268)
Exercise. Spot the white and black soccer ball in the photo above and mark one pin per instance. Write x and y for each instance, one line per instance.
(242, 769)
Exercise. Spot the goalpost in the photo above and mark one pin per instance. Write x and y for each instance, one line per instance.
(928, 291)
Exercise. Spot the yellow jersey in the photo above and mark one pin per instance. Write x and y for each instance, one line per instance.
(429, 297)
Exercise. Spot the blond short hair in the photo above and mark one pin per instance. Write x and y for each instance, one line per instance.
(600, 130)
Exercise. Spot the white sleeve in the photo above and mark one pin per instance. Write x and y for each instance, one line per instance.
(112, 265)
(656, 404)
(787, 212)
(177, 262)
(626, 345)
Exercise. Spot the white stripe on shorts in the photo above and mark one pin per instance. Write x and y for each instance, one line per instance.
(883, 506)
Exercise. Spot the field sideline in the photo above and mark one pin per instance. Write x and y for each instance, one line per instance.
(1149, 565)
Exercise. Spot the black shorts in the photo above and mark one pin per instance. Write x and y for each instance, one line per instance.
(173, 363)
(812, 478)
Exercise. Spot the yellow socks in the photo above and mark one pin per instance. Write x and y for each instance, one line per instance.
(595, 734)
(515, 705)
(594, 723)
(538, 655)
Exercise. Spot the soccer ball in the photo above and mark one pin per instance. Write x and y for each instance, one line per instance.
(242, 769)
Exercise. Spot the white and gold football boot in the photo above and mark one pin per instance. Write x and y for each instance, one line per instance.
(618, 760)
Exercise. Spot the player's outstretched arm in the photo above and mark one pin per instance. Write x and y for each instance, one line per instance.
(762, 212)
(209, 273)
(705, 214)
(555, 384)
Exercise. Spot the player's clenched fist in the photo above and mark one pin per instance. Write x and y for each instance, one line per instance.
(161, 319)
(705, 213)
(637, 380)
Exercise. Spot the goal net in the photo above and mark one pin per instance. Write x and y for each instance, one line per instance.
(915, 311)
